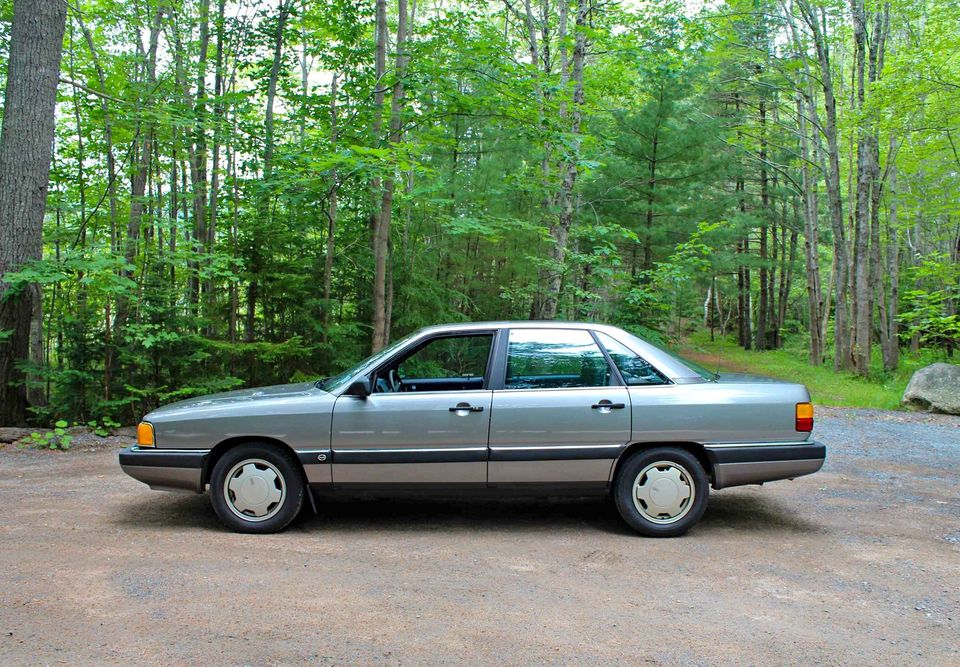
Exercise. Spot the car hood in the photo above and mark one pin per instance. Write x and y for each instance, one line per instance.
(280, 391)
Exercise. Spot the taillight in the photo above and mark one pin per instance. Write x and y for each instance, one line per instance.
(804, 417)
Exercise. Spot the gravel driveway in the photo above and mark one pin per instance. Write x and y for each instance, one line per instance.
(859, 563)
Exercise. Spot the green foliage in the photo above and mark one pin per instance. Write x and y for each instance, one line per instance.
(216, 276)
(881, 390)
(927, 310)
(58, 438)
(103, 428)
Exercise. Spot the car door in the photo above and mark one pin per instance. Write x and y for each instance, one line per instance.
(426, 422)
(562, 414)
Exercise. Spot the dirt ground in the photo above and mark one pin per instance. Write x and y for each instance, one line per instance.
(858, 564)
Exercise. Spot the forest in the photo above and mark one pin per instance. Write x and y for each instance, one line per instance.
(252, 192)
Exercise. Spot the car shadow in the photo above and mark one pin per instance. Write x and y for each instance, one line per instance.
(455, 514)
(754, 513)
(167, 512)
(741, 512)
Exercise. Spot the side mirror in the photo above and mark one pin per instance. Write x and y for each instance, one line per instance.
(360, 388)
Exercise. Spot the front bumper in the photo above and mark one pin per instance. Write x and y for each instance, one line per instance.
(165, 469)
(735, 465)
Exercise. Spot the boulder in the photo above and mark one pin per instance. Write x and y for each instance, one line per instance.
(935, 388)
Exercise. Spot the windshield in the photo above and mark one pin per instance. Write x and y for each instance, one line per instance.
(333, 383)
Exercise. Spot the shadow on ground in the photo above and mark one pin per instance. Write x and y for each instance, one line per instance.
(726, 511)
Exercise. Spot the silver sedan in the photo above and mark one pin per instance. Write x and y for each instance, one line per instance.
(486, 408)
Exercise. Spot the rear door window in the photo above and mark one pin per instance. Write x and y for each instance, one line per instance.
(555, 359)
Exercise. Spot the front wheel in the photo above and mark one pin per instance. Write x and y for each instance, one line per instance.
(661, 492)
(257, 488)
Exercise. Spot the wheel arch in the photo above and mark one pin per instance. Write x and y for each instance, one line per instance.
(696, 449)
(210, 461)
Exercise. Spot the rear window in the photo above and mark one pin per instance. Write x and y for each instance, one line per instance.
(635, 369)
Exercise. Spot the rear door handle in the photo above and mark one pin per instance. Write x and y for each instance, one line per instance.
(608, 404)
(466, 407)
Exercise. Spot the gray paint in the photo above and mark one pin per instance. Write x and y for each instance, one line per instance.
(740, 412)
(166, 479)
(421, 420)
(755, 472)
(549, 418)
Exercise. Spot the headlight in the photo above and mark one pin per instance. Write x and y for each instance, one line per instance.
(145, 436)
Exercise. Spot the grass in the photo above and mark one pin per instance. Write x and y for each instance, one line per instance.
(827, 387)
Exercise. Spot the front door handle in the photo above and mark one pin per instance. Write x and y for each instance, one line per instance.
(607, 404)
(466, 407)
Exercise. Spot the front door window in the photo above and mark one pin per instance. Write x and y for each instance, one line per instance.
(449, 363)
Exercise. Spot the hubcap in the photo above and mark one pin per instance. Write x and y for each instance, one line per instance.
(663, 492)
(254, 490)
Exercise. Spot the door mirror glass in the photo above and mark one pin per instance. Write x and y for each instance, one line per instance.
(359, 388)
(555, 359)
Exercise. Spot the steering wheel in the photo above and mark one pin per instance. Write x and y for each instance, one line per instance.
(393, 377)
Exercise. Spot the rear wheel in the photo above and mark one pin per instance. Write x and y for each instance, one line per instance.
(257, 488)
(661, 492)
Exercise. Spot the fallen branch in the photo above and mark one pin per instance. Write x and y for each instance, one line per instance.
(87, 89)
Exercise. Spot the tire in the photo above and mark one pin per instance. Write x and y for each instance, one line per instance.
(671, 491)
(257, 488)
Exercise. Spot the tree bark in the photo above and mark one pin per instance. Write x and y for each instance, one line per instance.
(861, 267)
(143, 150)
(811, 236)
(218, 115)
(381, 242)
(561, 231)
(378, 317)
(841, 355)
(36, 44)
(256, 258)
(763, 315)
(890, 294)
(331, 212)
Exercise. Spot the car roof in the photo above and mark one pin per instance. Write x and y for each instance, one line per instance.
(673, 367)
(513, 324)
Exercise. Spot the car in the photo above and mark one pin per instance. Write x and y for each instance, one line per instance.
(522, 408)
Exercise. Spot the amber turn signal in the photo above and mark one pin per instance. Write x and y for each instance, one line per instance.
(804, 417)
(145, 435)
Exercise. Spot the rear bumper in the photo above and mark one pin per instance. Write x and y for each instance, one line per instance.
(735, 465)
(165, 469)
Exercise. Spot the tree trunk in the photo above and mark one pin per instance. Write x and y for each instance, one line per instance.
(788, 253)
(36, 43)
(381, 242)
(198, 162)
(889, 296)
(143, 150)
(651, 185)
(256, 259)
(841, 355)
(861, 239)
(331, 212)
(378, 316)
(811, 235)
(763, 314)
(561, 231)
(218, 115)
